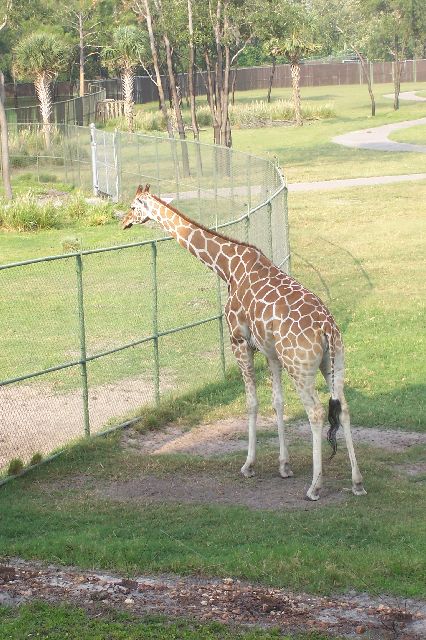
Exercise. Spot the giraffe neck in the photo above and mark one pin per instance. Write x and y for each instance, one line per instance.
(213, 250)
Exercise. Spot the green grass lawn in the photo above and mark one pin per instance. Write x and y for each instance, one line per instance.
(57, 622)
(375, 543)
(413, 135)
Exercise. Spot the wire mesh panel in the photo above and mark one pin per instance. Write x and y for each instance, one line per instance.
(88, 338)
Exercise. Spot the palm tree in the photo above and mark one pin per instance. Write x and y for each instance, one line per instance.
(296, 45)
(128, 50)
(40, 56)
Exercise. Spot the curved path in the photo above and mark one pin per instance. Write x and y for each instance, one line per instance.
(376, 139)
(407, 95)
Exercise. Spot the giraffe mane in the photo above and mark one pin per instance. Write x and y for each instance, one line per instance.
(204, 228)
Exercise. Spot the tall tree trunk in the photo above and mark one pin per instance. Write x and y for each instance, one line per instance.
(271, 78)
(191, 65)
(43, 91)
(4, 143)
(173, 88)
(156, 64)
(233, 84)
(128, 81)
(367, 75)
(295, 80)
(211, 97)
(226, 137)
(176, 105)
(398, 65)
(81, 52)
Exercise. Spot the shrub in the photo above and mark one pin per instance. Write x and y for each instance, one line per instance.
(15, 467)
(26, 214)
(36, 459)
(71, 245)
(76, 208)
(258, 113)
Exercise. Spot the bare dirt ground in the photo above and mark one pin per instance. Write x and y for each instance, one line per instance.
(226, 600)
(35, 418)
(225, 436)
(266, 491)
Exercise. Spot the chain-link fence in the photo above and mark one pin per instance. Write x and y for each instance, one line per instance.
(80, 110)
(91, 336)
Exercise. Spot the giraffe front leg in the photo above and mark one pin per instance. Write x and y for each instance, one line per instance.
(244, 355)
(278, 404)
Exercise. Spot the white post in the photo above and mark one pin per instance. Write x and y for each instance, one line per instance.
(95, 181)
(116, 142)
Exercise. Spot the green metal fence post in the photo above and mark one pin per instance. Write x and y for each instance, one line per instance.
(155, 322)
(270, 240)
(82, 337)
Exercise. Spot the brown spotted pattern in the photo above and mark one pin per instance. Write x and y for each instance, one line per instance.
(268, 311)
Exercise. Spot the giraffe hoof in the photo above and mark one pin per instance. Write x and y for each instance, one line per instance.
(312, 495)
(248, 472)
(285, 471)
(358, 489)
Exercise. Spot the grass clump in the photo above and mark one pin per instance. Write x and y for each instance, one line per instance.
(26, 213)
(15, 467)
(36, 459)
(58, 621)
(34, 212)
(257, 113)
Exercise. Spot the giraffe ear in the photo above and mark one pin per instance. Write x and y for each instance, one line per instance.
(139, 190)
(167, 200)
(146, 190)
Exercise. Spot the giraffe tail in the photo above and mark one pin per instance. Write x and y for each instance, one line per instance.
(334, 411)
(334, 405)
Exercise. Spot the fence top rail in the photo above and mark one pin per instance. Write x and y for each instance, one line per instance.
(83, 252)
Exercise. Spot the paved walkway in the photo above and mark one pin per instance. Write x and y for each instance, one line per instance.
(377, 139)
(407, 95)
(329, 185)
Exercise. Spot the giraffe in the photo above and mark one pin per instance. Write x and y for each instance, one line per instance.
(268, 311)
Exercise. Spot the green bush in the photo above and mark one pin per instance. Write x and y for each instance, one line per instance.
(36, 459)
(31, 213)
(25, 213)
(15, 467)
(258, 113)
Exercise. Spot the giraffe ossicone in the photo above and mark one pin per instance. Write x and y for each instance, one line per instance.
(269, 311)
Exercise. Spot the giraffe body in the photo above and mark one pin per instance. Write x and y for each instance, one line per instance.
(268, 311)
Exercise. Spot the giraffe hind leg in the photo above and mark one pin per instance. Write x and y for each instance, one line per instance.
(244, 353)
(278, 404)
(339, 416)
(305, 386)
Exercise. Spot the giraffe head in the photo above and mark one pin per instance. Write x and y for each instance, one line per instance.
(142, 208)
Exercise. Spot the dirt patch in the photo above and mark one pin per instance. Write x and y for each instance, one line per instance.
(225, 436)
(226, 600)
(263, 493)
(413, 470)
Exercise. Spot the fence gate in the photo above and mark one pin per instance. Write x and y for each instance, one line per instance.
(105, 163)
